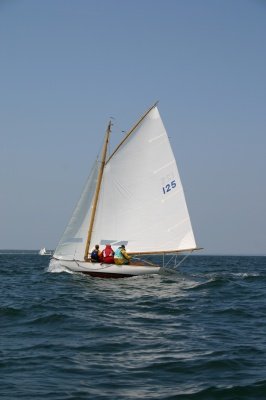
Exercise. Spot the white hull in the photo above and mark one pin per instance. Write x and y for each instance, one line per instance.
(109, 270)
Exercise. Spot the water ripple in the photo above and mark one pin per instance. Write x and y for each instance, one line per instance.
(196, 334)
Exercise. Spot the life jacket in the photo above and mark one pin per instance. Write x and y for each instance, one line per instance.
(95, 255)
(118, 253)
(121, 256)
(107, 254)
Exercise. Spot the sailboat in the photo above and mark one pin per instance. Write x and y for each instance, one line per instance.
(133, 197)
(44, 252)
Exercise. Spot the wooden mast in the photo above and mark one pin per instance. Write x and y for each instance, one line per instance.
(97, 190)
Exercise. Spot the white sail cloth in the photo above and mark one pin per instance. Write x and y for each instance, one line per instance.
(73, 242)
(141, 201)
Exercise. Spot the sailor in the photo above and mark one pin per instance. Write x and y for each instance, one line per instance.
(95, 254)
(121, 256)
(108, 255)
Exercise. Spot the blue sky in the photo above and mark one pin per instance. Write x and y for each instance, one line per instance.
(67, 66)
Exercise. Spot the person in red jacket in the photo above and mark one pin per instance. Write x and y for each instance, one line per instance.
(107, 255)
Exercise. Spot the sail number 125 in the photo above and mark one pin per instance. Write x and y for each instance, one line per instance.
(169, 186)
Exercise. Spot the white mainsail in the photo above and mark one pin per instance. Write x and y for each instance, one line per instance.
(141, 202)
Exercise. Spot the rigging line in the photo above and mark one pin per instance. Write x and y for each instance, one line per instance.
(146, 261)
(180, 262)
(183, 259)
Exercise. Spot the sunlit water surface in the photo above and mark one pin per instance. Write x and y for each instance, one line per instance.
(199, 333)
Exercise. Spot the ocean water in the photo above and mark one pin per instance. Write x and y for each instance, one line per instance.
(196, 333)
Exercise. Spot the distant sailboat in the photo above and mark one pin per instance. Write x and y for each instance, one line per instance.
(44, 252)
(134, 197)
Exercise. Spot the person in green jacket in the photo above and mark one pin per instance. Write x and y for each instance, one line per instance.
(121, 256)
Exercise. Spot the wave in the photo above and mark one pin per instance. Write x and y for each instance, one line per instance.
(55, 267)
(255, 390)
(11, 312)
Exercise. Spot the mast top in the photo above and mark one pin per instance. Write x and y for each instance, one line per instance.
(132, 129)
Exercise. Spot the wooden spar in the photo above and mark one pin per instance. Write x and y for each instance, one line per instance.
(132, 130)
(164, 252)
(97, 190)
